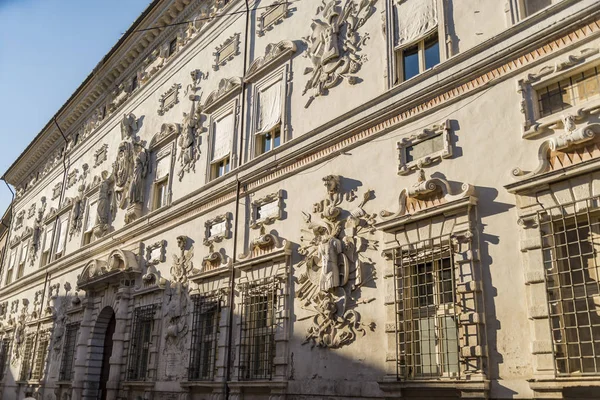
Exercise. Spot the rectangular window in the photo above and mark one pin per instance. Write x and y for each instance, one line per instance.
(417, 58)
(4, 356)
(141, 339)
(530, 7)
(570, 246)
(426, 310)
(22, 259)
(205, 334)
(40, 359)
(268, 112)
(90, 222)
(11, 266)
(222, 141)
(27, 355)
(160, 193)
(570, 92)
(61, 232)
(172, 47)
(68, 354)
(258, 326)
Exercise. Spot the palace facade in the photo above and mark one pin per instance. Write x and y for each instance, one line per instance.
(316, 199)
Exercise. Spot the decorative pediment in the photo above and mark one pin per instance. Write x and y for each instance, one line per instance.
(266, 246)
(274, 53)
(214, 263)
(167, 132)
(117, 265)
(573, 146)
(227, 89)
(427, 194)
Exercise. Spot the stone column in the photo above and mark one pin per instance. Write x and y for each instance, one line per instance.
(116, 359)
(81, 352)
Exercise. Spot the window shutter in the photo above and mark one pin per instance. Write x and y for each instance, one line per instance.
(416, 19)
(222, 137)
(269, 108)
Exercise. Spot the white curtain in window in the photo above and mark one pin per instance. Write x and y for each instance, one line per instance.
(416, 18)
(162, 167)
(48, 238)
(269, 108)
(91, 218)
(24, 249)
(62, 236)
(222, 137)
(13, 258)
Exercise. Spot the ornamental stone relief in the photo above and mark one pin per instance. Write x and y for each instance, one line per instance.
(335, 266)
(273, 15)
(182, 264)
(334, 45)
(169, 99)
(227, 51)
(189, 141)
(37, 229)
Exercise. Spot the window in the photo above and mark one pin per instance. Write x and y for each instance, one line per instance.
(426, 310)
(161, 181)
(4, 356)
(570, 244)
(11, 266)
(47, 244)
(134, 83)
(27, 354)
(90, 222)
(572, 91)
(222, 141)
(40, 358)
(530, 7)
(268, 118)
(172, 47)
(205, 336)
(22, 259)
(141, 339)
(417, 58)
(68, 355)
(61, 231)
(258, 326)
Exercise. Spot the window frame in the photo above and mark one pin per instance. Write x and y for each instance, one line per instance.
(5, 359)
(420, 43)
(165, 153)
(140, 351)
(12, 259)
(69, 351)
(434, 252)
(278, 76)
(202, 361)
(231, 107)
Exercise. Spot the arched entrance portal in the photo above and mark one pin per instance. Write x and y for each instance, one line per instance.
(100, 352)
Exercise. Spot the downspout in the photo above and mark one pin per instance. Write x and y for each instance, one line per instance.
(229, 347)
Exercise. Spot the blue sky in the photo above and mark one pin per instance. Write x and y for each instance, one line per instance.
(47, 48)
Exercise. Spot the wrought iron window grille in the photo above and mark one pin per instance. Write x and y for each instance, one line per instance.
(427, 343)
(205, 335)
(261, 316)
(570, 238)
(141, 339)
(68, 354)
(5, 347)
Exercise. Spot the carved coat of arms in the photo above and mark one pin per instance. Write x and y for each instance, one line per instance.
(334, 45)
(335, 266)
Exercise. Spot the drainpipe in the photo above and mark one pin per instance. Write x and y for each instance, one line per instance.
(229, 347)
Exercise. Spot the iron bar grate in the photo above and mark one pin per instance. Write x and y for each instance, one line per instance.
(68, 355)
(139, 346)
(570, 237)
(426, 321)
(205, 333)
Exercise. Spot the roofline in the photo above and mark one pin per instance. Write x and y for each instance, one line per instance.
(80, 88)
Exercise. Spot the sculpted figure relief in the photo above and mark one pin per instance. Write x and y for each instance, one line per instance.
(334, 45)
(335, 266)
(189, 141)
